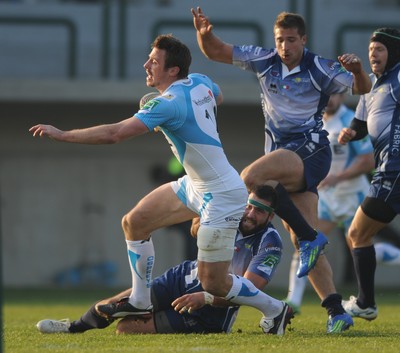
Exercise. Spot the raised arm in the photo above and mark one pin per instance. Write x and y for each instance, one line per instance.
(96, 135)
(362, 82)
(211, 46)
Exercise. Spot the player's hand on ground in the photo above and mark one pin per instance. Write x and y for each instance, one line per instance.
(189, 302)
(346, 135)
(42, 130)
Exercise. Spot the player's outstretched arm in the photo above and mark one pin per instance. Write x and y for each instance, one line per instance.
(101, 134)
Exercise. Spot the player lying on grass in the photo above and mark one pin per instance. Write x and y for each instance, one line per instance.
(180, 304)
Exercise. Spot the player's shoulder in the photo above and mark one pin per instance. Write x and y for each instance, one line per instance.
(199, 78)
(270, 234)
(320, 63)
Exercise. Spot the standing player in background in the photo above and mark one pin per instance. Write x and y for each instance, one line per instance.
(296, 85)
(377, 114)
(212, 189)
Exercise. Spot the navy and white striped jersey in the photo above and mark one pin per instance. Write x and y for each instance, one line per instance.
(380, 108)
(293, 102)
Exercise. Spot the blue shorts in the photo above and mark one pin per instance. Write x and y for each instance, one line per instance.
(316, 158)
(174, 283)
(386, 187)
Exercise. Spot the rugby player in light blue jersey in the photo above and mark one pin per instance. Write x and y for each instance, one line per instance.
(185, 112)
(258, 250)
(377, 114)
(295, 88)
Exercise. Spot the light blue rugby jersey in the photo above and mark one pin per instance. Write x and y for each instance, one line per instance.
(344, 155)
(380, 108)
(186, 114)
(293, 103)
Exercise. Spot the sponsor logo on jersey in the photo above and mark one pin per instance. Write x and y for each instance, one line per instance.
(273, 248)
(395, 149)
(232, 219)
(387, 185)
(332, 64)
(205, 100)
(246, 48)
(310, 147)
(151, 104)
(301, 80)
(257, 51)
(271, 260)
(268, 264)
(273, 88)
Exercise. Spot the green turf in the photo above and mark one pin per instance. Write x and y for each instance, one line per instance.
(23, 308)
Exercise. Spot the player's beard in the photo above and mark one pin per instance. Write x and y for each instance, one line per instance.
(246, 231)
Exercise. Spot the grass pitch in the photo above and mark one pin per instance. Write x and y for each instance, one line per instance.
(22, 309)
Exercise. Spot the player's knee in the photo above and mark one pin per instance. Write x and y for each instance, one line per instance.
(133, 219)
(248, 177)
(358, 239)
(126, 223)
(215, 244)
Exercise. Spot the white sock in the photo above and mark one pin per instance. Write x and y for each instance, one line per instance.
(244, 292)
(141, 260)
(297, 285)
(387, 254)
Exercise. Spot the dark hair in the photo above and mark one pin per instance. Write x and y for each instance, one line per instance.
(178, 54)
(267, 193)
(291, 20)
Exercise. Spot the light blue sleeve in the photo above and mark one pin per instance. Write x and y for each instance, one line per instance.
(160, 111)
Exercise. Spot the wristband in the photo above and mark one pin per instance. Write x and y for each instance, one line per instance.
(208, 298)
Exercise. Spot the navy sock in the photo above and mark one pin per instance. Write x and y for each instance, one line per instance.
(291, 215)
(89, 320)
(365, 264)
(333, 304)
